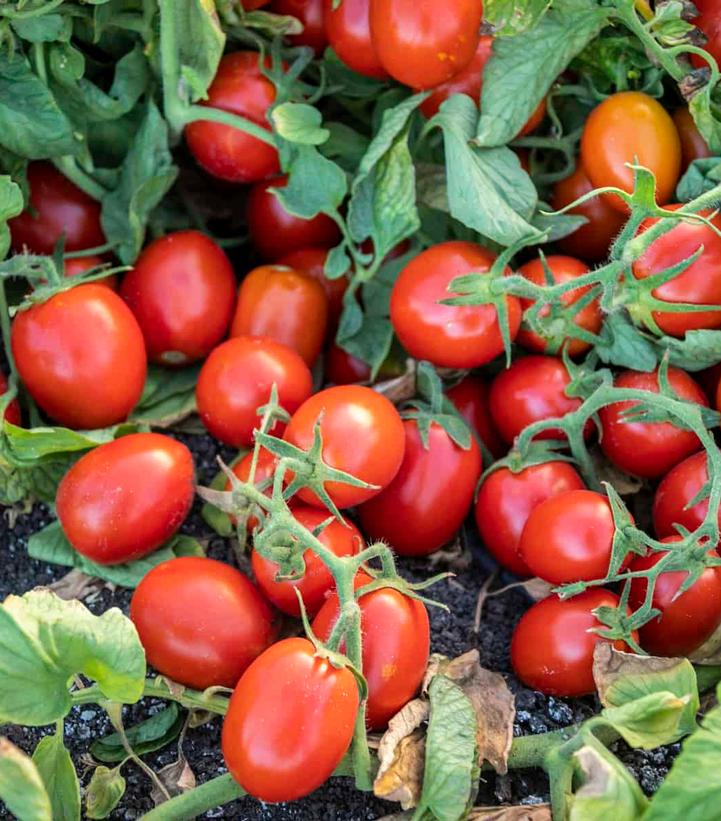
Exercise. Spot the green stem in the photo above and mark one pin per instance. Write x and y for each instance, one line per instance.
(75, 174)
(192, 699)
(47, 7)
(194, 113)
(195, 802)
(5, 327)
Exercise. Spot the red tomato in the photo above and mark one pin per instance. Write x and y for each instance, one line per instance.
(420, 47)
(699, 284)
(563, 269)
(311, 262)
(709, 21)
(289, 722)
(648, 449)
(264, 472)
(552, 646)
(12, 412)
(123, 499)
(81, 356)
(343, 369)
(240, 87)
(450, 336)
(693, 145)
(416, 514)
(236, 380)
(348, 31)
(362, 435)
(57, 206)
(470, 397)
(310, 14)
(684, 623)
(342, 539)
(251, 5)
(75, 266)
(631, 127)
(505, 501)
(284, 305)
(182, 292)
(201, 622)
(396, 640)
(680, 486)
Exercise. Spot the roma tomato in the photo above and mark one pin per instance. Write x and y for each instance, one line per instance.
(415, 514)
(362, 435)
(685, 622)
(274, 232)
(81, 356)
(240, 87)
(420, 47)
(396, 642)
(289, 723)
(552, 645)
(263, 480)
(57, 206)
(589, 317)
(709, 21)
(676, 491)
(236, 380)
(75, 266)
(470, 398)
(284, 305)
(693, 145)
(648, 449)
(316, 582)
(343, 369)
(310, 14)
(182, 292)
(505, 501)
(348, 31)
(12, 411)
(625, 128)
(311, 262)
(201, 622)
(450, 336)
(125, 498)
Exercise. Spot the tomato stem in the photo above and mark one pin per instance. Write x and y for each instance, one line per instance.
(69, 168)
(214, 793)
(154, 688)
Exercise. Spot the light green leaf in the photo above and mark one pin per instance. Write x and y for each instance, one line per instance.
(104, 792)
(315, 185)
(623, 344)
(511, 17)
(33, 444)
(58, 774)
(608, 791)
(697, 351)
(299, 123)
(21, 787)
(652, 720)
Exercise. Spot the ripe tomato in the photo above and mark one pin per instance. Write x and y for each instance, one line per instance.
(343, 369)
(552, 646)
(592, 240)
(240, 87)
(709, 21)
(251, 5)
(420, 47)
(568, 538)
(693, 145)
(12, 412)
(348, 31)
(236, 380)
(396, 642)
(274, 232)
(699, 284)
(81, 356)
(532, 389)
(631, 127)
(316, 582)
(125, 498)
(450, 336)
(505, 501)
(311, 262)
(264, 472)
(684, 623)
(284, 305)
(648, 449)
(563, 269)
(182, 292)
(56, 206)
(470, 397)
(75, 266)
(310, 14)
(362, 435)
(415, 514)
(680, 486)
(201, 622)
(289, 723)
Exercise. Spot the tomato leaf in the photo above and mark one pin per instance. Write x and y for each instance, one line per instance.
(57, 771)
(47, 28)
(27, 445)
(11, 204)
(104, 792)
(511, 17)
(299, 123)
(695, 352)
(623, 344)
(315, 185)
(700, 177)
(652, 720)
(21, 787)
(150, 735)
(168, 396)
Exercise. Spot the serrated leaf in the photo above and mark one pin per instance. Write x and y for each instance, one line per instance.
(46, 28)
(622, 344)
(57, 771)
(150, 735)
(21, 787)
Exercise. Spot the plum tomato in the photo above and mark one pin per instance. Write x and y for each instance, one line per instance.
(123, 499)
(341, 368)
(12, 411)
(311, 262)
(348, 31)
(678, 488)
(693, 145)
(470, 398)
(76, 266)
(709, 21)
(310, 14)
(200, 621)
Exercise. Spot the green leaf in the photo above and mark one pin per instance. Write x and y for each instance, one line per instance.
(46, 28)
(315, 185)
(58, 774)
(695, 352)
(150, 735)
(104, 792)
(703, 110)
(33, 444)
(557, 226)
(21, 787)
(11, 204)
(701, 176)
(622, 344)
(168, 396)
(653, 720)
(511, 17)
(345, 145)
(299, 123)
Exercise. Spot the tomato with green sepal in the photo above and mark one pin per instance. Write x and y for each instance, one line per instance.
(470, 398)
(674, 494)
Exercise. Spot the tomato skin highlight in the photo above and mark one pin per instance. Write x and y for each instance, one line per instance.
(200, 621)
(449, 336)
(348, 31)
(505, 500)
(289, 723)
(470, 398)
(310, 14)
(81, 356)
(236, 380)
(676, 491)
(693, 145)
(12, 411)
(123, 499)
(182, 292)
(415, 514)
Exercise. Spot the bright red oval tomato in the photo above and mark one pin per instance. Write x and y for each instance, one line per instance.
(342, 539)
(343, 369)
(470, 398)
(240, 87)
(362, 435)
(552, 646)
(236, 380)
(450, 336)
(284, 305)
(201, 622)
(348, 31)
(396, 643)
(310, 14)
(676, 491)
(123, 499)
(709, 21)
(262, 479)
(81, 356)
(12, 411)
(693, 145)
(505, 501)
(182, 292)
(57, 206)
(311, 262)
(625, 128)
(75, 266)
(289, 723)
(648, 449)
(415, 513)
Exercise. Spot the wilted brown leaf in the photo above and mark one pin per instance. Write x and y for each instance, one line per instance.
(401, 753)
(177, 778)
(710, 651)
(536, 812)
(77, 585)
(400, 388)
(610, 664)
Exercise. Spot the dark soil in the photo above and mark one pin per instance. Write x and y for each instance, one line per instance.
(452, 633)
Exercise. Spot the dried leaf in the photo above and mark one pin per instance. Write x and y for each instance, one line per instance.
(624, 483)
(535, 588)
(453, 556)
(400, 388)
(610, 665)
(537, 812)
(77, 585)
(177, 778)
(401, 753)
(709, 653)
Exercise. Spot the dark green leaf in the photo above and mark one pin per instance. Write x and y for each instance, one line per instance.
(58, 774)
(622, 344)
(316, 184)
(104, 792)
(168, 396)
(150, 735)
(557, 226)
(21, 787)
(700, 177)
(44, 29)
(345, 145)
